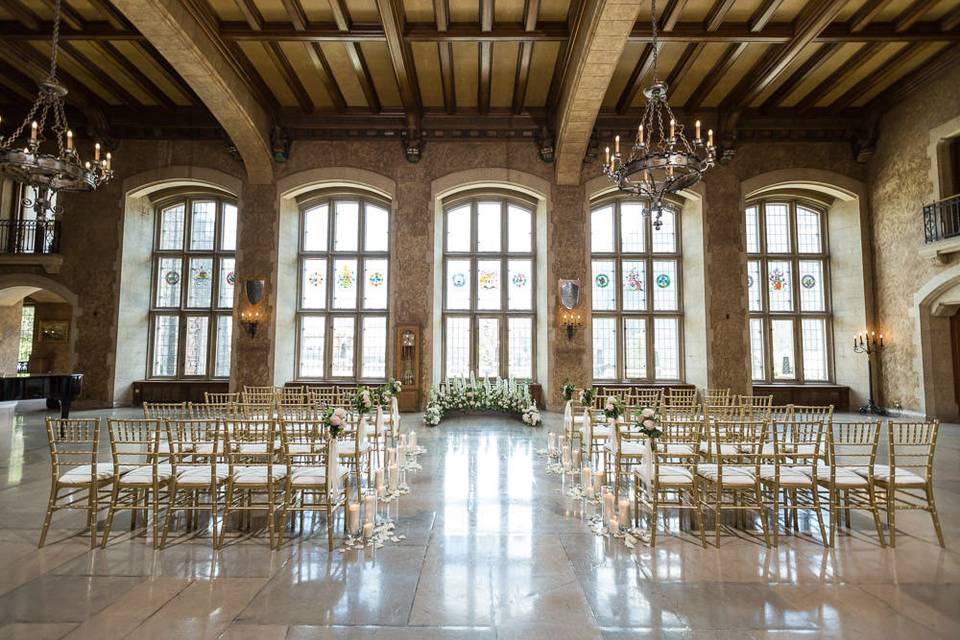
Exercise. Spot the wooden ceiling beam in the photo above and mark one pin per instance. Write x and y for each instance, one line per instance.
(394, 24)
(892, 69)
(289, 75)
(17, 82)
(671, 14)
(26, 58)
(251, 14)
(842, 72)
(916, 79)
(763, 15)
(811, 64)
(163, 67)
(184, 36)
(640, 71)
(530, 11)
(146, 85)
(24, 15)
(341, 16)
(441, 13)
(298, 17)
(866, 14)
(68, 15)
(100, 75)
(913, 13)
(950, 21)
(723, 64)
(486, 57)
(107, 10)
(717, 14)
(684, 64)
(319, 62)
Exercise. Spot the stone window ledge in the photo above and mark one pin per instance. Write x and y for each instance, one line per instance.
(940, 250)
(51, 263)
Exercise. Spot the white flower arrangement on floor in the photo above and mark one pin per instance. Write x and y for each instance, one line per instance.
(469, 394)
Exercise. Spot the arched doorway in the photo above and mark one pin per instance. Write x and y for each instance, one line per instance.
(938, 308)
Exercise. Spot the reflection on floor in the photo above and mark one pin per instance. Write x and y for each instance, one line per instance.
(493, 550)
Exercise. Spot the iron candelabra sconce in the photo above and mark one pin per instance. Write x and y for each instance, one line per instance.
(870, 343)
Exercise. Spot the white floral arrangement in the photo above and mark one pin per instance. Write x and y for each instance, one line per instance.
(469, 394)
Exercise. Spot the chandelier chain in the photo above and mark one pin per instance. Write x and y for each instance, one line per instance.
(55, 46)
(653, 41)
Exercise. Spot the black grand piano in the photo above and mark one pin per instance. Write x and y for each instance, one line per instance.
(59, 389)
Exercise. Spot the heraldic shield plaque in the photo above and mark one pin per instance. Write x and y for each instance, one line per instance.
(570, 293)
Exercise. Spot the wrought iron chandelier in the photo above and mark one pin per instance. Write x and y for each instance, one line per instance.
(660, 163)
(31, 160)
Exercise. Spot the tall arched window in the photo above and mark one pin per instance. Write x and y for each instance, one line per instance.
(635, 281)
(788, 280)
(489, 263)
(343, 301)
(193, 278)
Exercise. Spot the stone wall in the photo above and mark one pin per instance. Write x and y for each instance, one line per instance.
(46, 356)
(10, 316)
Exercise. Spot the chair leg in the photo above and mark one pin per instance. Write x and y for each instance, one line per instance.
(890, 493)
(816, 507)
(92, 504)
(698, 505)
(111, 510)
(875, 510)
(833, 516)
(51, 507)
(653, 515)
(717, 512)
(932, 505)
(758, 496)
(775, 514)
(330, 513)
(172, 492)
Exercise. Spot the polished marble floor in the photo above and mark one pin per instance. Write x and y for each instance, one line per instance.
(494, 549)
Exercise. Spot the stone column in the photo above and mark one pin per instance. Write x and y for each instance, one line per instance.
(10, 336)
(257, 233)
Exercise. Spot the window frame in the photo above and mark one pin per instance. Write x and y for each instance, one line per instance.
(648, 256)
(328, 312)
(182, 312)
(796, 314)
(503, 256)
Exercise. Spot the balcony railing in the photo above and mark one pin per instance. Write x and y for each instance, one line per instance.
(941, 220)
(29, 237)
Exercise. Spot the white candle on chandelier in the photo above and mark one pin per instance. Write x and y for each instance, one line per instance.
(616, 146)
(697, 126)
(109, 158)
(608, 156)
(673, 128)
(87, 165)
(69, 140)
(96, 152)
(33, 131)
(710, 137)
(640, 134)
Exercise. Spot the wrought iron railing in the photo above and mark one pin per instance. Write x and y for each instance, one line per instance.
(941, 220)
(25, 237)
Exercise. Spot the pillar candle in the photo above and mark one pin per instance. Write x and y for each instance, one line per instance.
(607, 506)
(551, 441)
(391, 455)
(393, 475)
(370, 508)
(614, 523)
(403, 439)
(585, 478)
(566, 457)
(367, 530)
(576, 458)
(378, 478)
(623, 513)
(402, 455)
(412, 441)
(589, 492)
(353, 518)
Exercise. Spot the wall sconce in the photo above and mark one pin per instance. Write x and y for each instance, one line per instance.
(251, 314)
(571, 322)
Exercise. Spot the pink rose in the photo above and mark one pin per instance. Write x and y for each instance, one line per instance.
(335, 420)
(649, 424)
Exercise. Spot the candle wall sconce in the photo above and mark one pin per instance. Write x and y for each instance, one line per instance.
(571, 322)
(251, 311)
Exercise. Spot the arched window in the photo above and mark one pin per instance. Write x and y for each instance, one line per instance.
(193, 277)
(489, 264)
(788, 281)
(343, 290)
(635, 282)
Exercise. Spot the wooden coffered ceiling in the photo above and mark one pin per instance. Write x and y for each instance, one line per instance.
(481, 68)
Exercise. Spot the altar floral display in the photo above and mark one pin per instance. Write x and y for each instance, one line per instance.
(469, 394)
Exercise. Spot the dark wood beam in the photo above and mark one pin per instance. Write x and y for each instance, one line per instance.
(671, 14)
(640, 71)
(717, 14)
(394, 25)
(853, 63)
(530, 11)
(913, 13)
(108, 11)
(166, 70)
(687, 58)
(814, 62)
(726, 60)
(251, 77)
(17, 82)
(24, 57)
(341, 16)
(763, 14)
(486, 57)
(298, 18)
(866, 14)
(289, 75)
(892, 69)
(146, 85)
(950, 21)
(319, 62)
(102, 77)
(24, 15)
(815, 17)
(251, 14)
(441, 12)
(68, 15)
(916, 80)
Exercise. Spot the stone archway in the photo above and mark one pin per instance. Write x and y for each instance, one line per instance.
(935, 303)
(54, 303)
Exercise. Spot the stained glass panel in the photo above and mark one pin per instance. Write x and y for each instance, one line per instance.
(221, 367)
(347, 225)
(784, 365)
(601, 230)
(341, 345)
(520, 347)
(458, 284)
(313, 287)
(315, 228)
(808, 231)
(488, 347)
(228, 228)
(228, 278)
(756, 348)
(666, 348)
(753, 230)
(780, 285)
(634, 285)
(171, 228)
(665, 285)
(488, 284)
(778, 227)
(604, 285)
(202, 224)
(168, 282)
(196, 335)
(458, 229)
(604, 348)
(811, 285)
(166, 334)
(665, 240)
(200, 285)
(519, 230)
(312, 343)
(373, 363)
(520, 285)
(457, 347)
(632, 227)
(814, 339)
(375, 283)
(635, 347)
(488, 227)
(345, 284)
(754, 282)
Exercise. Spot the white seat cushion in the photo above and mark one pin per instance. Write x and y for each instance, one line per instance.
(904, 477)
(199, 475)
(789, 476)
(349, 447)
(733, 476)
(256, 474)
(729, 449)
(627, 447)
(668, 474)
(144, 475)
(83, 474)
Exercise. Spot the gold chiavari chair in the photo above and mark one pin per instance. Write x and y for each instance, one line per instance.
(848, 474)
(623, 450)
(735, 471)
(138, 472)
(315, 480)
(790, 473)
(76, 477)
(652, 398)
(197, 472)
(255, 481)
(596, 432)
(252, 411)
(353, 446)
(575, 428)
(294, 395)
(165, 410)
(345, 395)
(259, 395)
(755, 407)
(296, 412)
(671, 480)
(683, 412)
(322, 396)
(677, 398)
(222, 398)
(906, 482)
(717, 397)
(213, 410)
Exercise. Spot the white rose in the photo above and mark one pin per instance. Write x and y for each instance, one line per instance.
(649, 424)
(647, 413)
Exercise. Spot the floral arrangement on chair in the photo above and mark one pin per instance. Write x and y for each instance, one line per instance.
(334, 419)
(614, 408)
(362, 401)
(649, 424)
(469, 394)
(386, 391)
(586, 397)
(567, 390)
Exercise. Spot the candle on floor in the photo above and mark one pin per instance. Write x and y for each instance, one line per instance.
(607, 506)
(576, 457)
(412, 440)
(367, 530)
(393, 476)
(551, 442)
(378, 478)
(598, 481)
(585, 478)
(353, 518)
(589, 492)
(370, 508)
(402, 455)
(391, 456)
(623, 513)
(566, 457)
(403, 439)
(614, 523)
